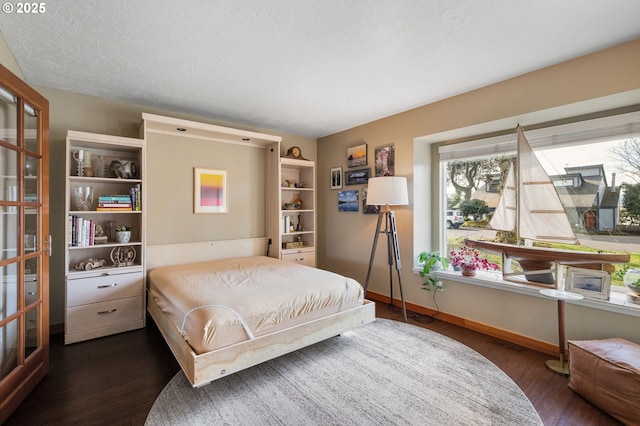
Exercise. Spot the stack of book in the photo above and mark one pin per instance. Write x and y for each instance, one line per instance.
(135, 198)
(114, 203)
(83, 232)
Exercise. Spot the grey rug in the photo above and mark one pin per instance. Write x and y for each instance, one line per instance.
(384, 373)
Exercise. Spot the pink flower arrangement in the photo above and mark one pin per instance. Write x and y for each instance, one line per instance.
(469, 259)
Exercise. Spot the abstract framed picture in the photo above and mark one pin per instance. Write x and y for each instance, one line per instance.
(357, 177)
(336, 177)
(385, 159)
(348, 201)
(590, 283)
(209, 191)
(357, 155)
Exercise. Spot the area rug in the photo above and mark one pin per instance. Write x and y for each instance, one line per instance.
(384, 373)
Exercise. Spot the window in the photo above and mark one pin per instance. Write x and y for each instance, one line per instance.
(591, 164)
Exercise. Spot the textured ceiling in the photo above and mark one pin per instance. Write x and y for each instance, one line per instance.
(309, 67)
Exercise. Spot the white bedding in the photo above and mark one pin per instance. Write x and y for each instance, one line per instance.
(266, 294)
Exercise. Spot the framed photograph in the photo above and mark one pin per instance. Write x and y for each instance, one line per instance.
(209, 191)
(336, 178)
(357, 177)
(591, 283)
(357, 156)
(385, 158)
(348, 201)
(366, 208)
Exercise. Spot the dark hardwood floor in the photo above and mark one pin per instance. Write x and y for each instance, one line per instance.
(115, 380)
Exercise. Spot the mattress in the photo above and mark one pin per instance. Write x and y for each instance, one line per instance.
(220, 303)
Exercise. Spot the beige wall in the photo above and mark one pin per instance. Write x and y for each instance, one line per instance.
(7, 59)
(590, 84)
(170, 202)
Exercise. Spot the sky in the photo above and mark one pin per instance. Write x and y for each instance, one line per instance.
(555, 160)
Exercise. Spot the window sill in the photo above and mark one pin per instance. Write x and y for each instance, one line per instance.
(617, 301)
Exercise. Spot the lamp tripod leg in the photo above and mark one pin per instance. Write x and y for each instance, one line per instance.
(396, 256)
(373, 253)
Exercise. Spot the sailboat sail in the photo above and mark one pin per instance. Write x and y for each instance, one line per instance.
(504, 218)
(540, 213)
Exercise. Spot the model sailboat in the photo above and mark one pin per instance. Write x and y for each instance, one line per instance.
(532, 209)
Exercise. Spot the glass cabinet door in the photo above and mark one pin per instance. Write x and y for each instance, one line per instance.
(24, 242)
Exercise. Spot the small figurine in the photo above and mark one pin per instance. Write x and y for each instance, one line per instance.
(123, 169)
(89, 264)
(100, 237)
(123, 256)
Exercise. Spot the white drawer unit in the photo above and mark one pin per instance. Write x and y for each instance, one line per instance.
(102, 303)
(108, 286)
(100, 316)
(307, 258)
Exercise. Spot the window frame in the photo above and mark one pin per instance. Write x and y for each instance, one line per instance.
(430, 153)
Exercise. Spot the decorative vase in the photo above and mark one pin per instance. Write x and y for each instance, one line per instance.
(123, 237)
(83, 197)
(468, 272)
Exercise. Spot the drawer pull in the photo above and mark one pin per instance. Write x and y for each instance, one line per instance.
(110, 311)
(107, 285)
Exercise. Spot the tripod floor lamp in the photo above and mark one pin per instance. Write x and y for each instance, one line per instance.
(388, 191)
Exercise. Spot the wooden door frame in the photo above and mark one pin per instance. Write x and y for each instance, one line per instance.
(24, 378)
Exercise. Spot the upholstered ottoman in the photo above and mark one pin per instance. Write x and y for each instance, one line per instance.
(607, 373)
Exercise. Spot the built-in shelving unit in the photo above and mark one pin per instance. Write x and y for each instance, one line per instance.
(291, 214)
(104, 273)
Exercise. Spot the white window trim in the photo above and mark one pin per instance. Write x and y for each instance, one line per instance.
(581, 132)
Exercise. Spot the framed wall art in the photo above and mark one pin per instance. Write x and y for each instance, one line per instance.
(590, 283)
(348, 201)
(366, 208)
(357, 177)
(209, 191)
(385, 159)
(336, 178)
(357, 155)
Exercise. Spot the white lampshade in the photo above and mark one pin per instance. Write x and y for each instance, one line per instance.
(391, 190)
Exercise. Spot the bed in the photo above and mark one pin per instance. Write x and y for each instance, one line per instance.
(224, 315)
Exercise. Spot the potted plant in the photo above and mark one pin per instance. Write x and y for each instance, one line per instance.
(431, 261)
(469, 261)
(632, 279)
(123, 234)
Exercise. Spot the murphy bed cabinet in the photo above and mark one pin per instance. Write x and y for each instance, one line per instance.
(292, 212)
(104, 272)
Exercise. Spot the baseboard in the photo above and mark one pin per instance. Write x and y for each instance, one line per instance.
(498, 333)
(56, 329)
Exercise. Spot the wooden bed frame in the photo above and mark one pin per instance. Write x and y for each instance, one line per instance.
(204, 368)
